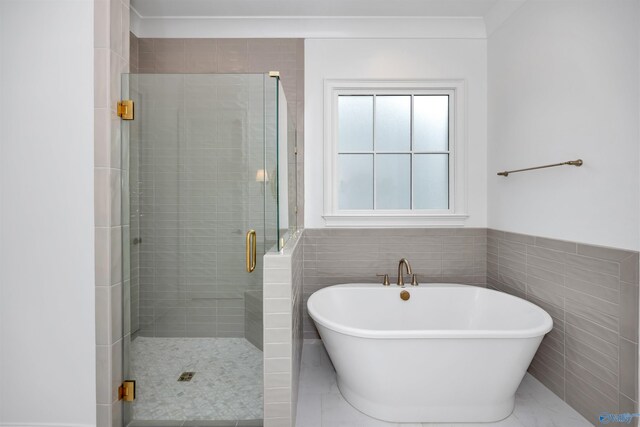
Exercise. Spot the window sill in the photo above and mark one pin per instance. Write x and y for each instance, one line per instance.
(395, 221)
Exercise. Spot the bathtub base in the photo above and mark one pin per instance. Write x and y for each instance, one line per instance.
(423, 413)
(445, 381)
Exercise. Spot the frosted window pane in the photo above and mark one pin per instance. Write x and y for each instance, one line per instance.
(431, 181)
(431, 123)
(393, 181)
(393, 123)
(355, 127)
(355, 173)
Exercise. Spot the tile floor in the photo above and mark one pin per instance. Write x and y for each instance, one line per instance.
(227, 385)
(320, 403)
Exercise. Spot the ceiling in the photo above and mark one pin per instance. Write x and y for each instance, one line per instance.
(312, 8)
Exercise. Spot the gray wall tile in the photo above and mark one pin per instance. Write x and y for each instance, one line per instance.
(234, 56)
(574, 355)
(592, 302)
(334, 256)
(628, 406)
(590, 357)
(582, 403)
(628, 373)
(591, 328)
(606, 320)
(560, 245)
(629, 311)
(516, 237)
(605, 293)
(593, 264)
(552, 382)
(602, 252)
(578, 386)
(546, 264)
(545, 253)
(629, 269)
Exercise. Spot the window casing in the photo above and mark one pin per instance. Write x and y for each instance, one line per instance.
(396, 155)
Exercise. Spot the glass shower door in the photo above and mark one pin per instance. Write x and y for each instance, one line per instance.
(200, 174)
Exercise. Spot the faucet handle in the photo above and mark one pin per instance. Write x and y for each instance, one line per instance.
(414, 280)
(385, 280)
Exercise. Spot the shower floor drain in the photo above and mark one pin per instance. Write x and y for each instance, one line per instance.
(186, 376)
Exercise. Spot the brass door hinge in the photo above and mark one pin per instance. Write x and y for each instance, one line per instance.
(125, 109)
(127, 391)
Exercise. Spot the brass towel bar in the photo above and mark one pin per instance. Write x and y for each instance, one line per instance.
(570, 162)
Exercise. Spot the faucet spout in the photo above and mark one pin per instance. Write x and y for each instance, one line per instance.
(403, 262)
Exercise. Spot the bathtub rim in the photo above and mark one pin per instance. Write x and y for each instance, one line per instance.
(544, 328)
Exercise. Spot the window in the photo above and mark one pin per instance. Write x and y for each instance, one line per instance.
(394, 153)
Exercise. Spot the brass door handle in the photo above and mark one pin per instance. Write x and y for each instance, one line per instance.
(251, 250)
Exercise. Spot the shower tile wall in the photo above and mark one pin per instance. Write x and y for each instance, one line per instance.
(111, 57)
(222, 56)
(159, 55)
(133, 53)
(333, 256)
(192, 221)
(253, 315)
(589, 359)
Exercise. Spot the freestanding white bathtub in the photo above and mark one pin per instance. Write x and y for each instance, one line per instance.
(450, 353)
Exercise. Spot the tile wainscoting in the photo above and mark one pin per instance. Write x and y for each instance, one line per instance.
(589, 359)
(332, 256)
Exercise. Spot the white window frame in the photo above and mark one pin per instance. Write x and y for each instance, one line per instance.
(456, 215)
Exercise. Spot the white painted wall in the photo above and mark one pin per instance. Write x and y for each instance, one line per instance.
(47, 354)
(395, 59)
(563, 84)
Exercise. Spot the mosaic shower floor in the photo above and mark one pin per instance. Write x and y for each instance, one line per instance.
(227, 384)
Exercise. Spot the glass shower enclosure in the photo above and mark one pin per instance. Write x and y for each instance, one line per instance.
(208, 188)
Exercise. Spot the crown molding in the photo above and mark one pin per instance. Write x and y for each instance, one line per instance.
(308, 27)
(314, 26)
